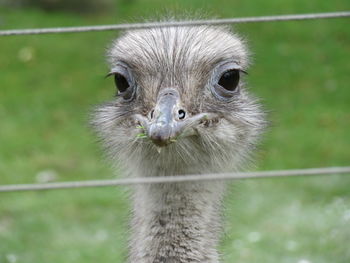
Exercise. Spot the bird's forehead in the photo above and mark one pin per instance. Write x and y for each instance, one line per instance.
(177, 49)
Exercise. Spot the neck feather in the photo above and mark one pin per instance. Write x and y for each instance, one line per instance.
(176, 223)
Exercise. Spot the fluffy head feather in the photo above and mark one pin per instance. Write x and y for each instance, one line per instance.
(191, 61)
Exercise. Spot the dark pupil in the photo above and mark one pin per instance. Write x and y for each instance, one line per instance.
(121, 82)
(229, 80)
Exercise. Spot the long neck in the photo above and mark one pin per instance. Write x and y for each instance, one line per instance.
(176, 223)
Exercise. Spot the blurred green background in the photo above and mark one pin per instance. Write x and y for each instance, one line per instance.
(49, 83)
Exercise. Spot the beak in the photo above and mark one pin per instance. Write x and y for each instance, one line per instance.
(168, 120)
(166, 124)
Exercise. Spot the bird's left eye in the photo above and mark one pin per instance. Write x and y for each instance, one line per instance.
(229, 79)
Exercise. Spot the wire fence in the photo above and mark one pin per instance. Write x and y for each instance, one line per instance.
(177, 179)
(225, 21)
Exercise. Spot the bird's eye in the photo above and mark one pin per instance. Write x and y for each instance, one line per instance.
(121, 82)
(229, 80)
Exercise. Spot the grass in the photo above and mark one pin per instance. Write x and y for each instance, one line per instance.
(48, 85)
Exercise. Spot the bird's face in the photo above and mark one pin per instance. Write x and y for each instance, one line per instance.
(180, 99)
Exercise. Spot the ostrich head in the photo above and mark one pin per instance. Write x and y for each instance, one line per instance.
(181, 105)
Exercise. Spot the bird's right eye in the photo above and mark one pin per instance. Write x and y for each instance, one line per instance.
(121, 82)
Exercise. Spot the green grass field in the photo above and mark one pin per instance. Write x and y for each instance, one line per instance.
(49, 83)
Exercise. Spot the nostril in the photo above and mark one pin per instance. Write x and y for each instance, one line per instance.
(182, 114)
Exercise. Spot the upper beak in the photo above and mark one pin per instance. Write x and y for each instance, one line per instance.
(168, 119)
(166, 124)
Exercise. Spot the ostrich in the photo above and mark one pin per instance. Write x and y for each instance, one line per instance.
(181, 108)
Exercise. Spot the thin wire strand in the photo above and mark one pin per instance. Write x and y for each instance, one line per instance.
(177, 179)
(174, 23)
